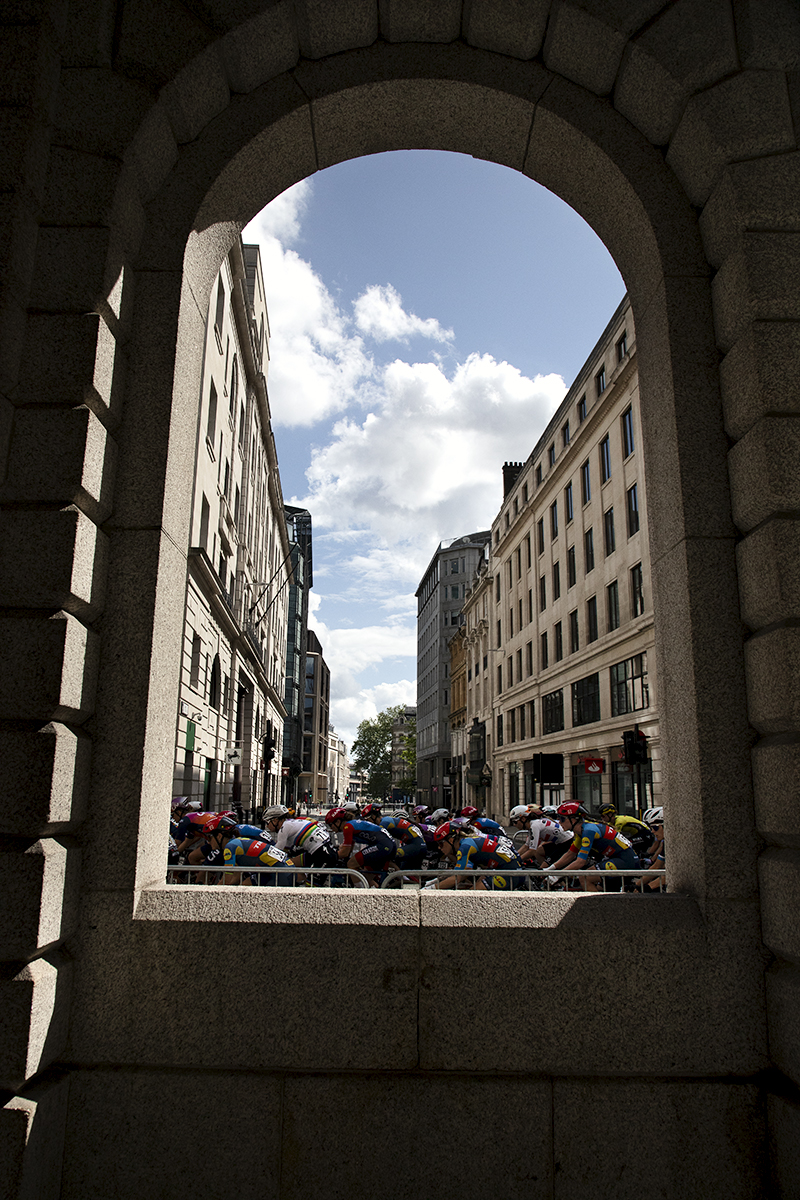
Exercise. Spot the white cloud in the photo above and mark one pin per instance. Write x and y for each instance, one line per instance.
(379, 314)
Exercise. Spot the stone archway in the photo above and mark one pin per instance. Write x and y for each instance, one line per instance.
(138, 204)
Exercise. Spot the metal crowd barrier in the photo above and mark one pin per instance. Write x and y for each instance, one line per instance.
(281, 872)
(538, 881)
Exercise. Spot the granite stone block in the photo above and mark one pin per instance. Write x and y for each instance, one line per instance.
(29, 66)
(759, 375)
(768, 33)
(196, 95)
(419, 20)
(155, 39)
(514, 27)
(265, 46)
(89, 36)
(80, 188)
(325, 29)
(160, 1111)
(783, 1122)
(71, 269)
(34, 1010)
(768, 563)
(772, 661)
(779, 879)
(26, 146)
(763, 194)
(52, 559)
(61, 456)
(776, 788)
(759, 282)
(54, 761)
(742, 117)
(582, 48)
(783, 1014)
(763, 471)
(709, 1138)
(32, 1141)
(50, 669)
(686, 48)
(152, 152)
(98, 110)
(38, 897)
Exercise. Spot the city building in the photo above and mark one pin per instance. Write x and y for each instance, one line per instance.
(313, 781)
(299, 532)
(403, 727)
(338, 768)
(231, 712)
(440, 597)
(559, 627)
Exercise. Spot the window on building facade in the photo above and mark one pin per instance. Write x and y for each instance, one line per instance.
(629, 688)
(234, 387)
(586, 483)
(565, 435)
(500, 729)
(588, 550)
(509, 671)
(194, 665)
(553, 711)
(559, 642)
(612, 596)
(568, 510)
(591, 619)
(497, 588)
(632, 501)
(532, 718)
(574, 637)
(519, 561)
(556, 580)
(637, 590)
(519, 665)
(219, 314)
(586, 700)
(622, 346)
(540, 535)
(525, 493)
(211, 425)
(522, 722)
(538, 474)
(554, 519)
(499, 635)
(529, 655)
(500, 677)
(519, 609)
(516, 505)
(627, 432)
(571, 567)
(205, 515)
(605, 460)
(512, 725)
(542, 594)
(608, 531)
(528, 549)
(581, 410)
(600, 380)
(543, 652)
(511, 622)
(551, 454)
(485, 661)
(530, 604)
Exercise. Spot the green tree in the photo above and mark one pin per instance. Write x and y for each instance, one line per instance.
(372, 750)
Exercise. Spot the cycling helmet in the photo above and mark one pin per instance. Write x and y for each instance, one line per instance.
(440, 814)
(468, 811)
(520, 810)
(350, 806)
(275, 810)
(607, 809)
(447, 831)
(371, 810)
(221, 825)
(571, 809)
(550, 811)
(420, 810)
(336, 814)
(399, 815)
(654, 816)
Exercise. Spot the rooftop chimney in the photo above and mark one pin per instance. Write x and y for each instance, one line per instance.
(510, 476)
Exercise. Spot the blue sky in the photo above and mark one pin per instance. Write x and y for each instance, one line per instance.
(427, 313)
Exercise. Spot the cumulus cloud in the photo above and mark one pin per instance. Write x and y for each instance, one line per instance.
(425, 463)
(379, 314)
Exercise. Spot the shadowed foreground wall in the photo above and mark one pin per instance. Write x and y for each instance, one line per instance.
(137, 140)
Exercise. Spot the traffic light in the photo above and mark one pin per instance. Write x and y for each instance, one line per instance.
(635, 746)
(269, 741)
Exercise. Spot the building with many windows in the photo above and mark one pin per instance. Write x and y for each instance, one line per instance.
(298, 527)
(313, 781)
(234, 638)
(440, 598)
(338, 768)
(559, 628)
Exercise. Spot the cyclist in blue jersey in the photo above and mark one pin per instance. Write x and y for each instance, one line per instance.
(469, 850)
(255, 853)
(593, 844)
(309, 844)
(412, 847)
(365, 847)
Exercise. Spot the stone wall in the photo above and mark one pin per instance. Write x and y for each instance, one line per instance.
(137, 140)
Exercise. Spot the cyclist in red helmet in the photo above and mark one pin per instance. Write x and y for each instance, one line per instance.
(365, 846)
(593, 844)
(469, 849)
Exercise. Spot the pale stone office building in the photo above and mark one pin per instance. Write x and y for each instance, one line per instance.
(568, 611)
(338, 768)
(313, 781)
(234, 637)
(440, 597)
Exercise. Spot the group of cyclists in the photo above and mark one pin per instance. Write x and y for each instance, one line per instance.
(465, 849)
